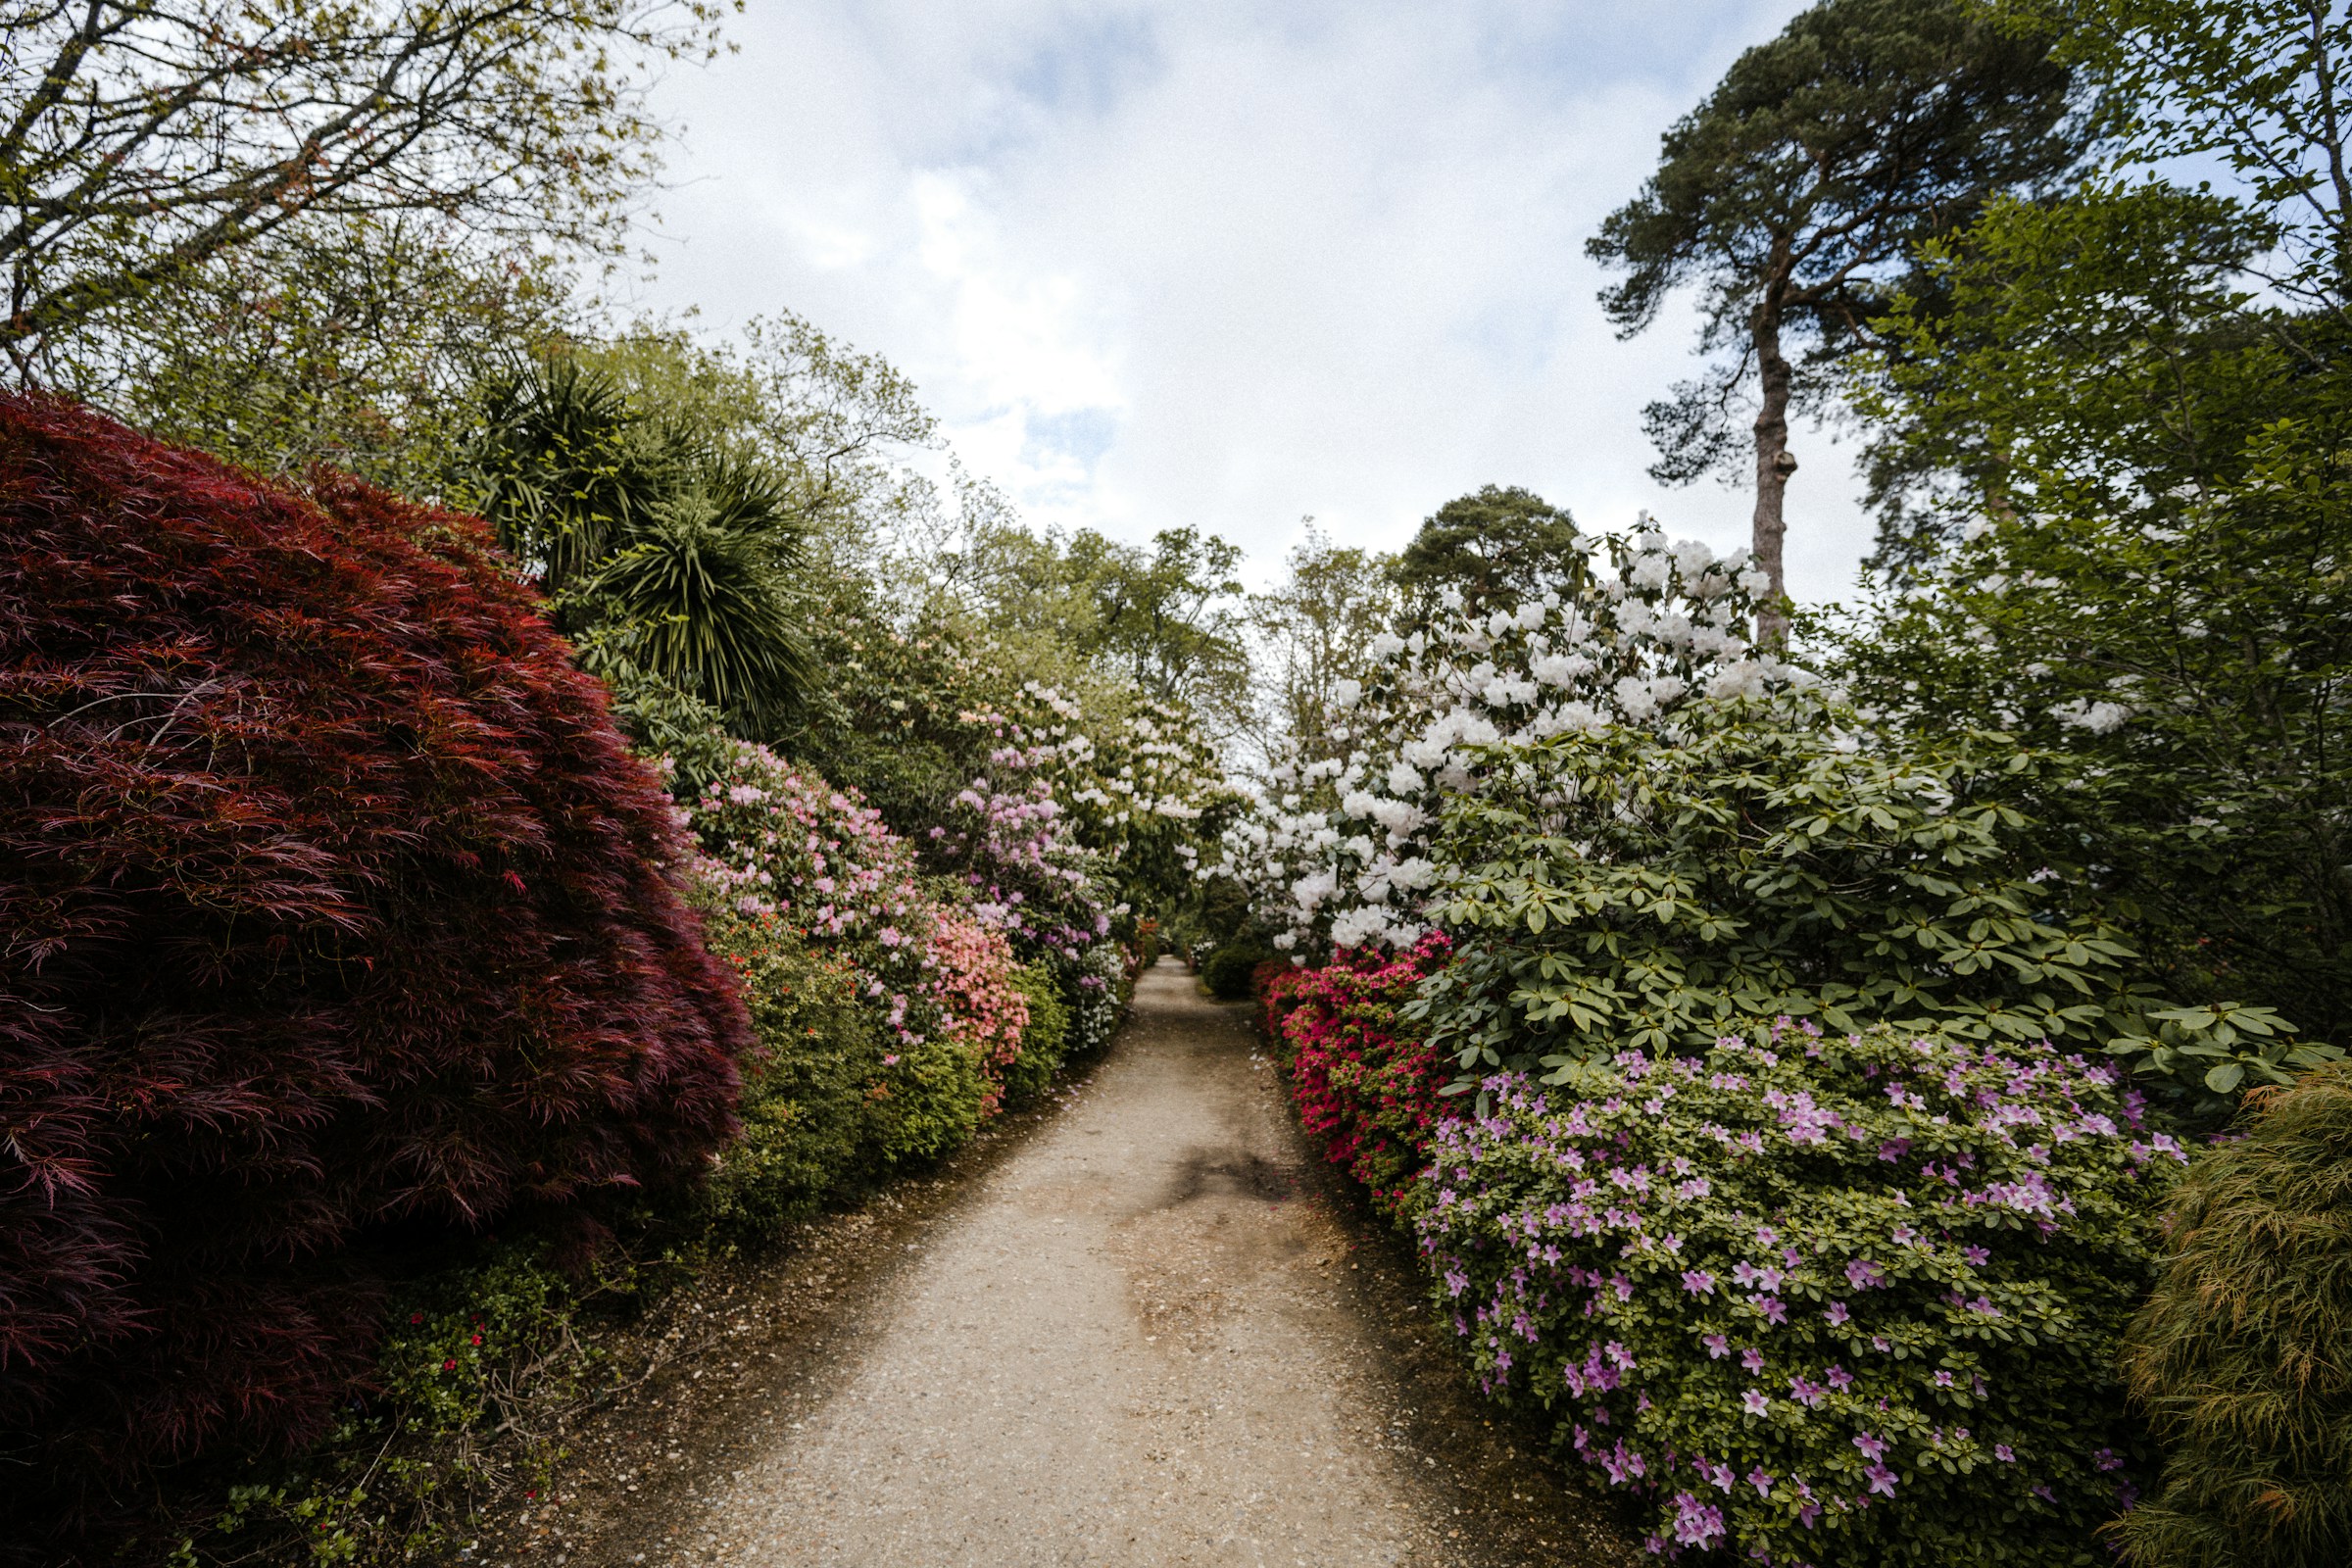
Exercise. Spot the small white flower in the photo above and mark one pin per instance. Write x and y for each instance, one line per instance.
(2097, 718)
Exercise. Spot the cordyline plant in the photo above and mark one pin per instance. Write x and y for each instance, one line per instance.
(1817, 1298)
(330, 903)
(1622, 887)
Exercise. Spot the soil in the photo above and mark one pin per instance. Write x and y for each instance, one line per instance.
(1142, 1325)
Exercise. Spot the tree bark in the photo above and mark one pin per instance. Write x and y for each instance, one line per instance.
(1774, 464)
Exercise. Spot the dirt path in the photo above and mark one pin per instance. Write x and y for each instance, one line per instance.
(1144, 1333)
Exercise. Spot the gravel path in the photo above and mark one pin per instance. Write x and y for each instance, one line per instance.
(1144, 1334)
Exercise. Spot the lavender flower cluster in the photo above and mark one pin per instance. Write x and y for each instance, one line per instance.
(1014, 849)
(1817, 1298)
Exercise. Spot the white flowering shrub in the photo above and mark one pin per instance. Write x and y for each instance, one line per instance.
(1338, 856)
(1143, 791)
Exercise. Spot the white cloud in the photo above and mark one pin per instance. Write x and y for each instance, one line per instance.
(1222, 264)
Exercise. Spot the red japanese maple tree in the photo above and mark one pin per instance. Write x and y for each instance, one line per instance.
(333, 914)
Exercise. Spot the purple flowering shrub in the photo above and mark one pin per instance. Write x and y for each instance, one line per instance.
(1014, 849)
(1818, 1298)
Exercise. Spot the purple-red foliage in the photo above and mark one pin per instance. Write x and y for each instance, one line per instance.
(1366, 1083)
(332, 910)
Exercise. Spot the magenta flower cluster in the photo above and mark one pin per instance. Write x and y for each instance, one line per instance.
(1812, 1296)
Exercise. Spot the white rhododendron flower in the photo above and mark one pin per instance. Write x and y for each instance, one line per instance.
(1344, 857)
(2097, 718)
(1560, 669)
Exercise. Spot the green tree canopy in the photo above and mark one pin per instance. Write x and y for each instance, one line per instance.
(1313, 630)
(1501, 542)
(2117, 426)
(1798, 191)
(140, 139)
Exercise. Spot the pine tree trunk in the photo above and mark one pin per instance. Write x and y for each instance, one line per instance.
(1774, 464)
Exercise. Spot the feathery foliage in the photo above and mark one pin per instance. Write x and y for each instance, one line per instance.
(2243, 1355)
(334, 911)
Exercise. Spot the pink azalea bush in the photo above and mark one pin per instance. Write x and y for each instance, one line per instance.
(981, 1004)
(1841, 1298)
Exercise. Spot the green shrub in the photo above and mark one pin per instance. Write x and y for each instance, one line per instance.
(1229, 968)
(1817, 1298)
(933, 1102)
(484, 1348)
(814, 1124)
(1045, 1039)
(1774, 856)
(2242, 1356)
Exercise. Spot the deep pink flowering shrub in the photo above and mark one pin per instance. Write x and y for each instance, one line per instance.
(1817, 1300)
(1367, 1084)
(1279, 985)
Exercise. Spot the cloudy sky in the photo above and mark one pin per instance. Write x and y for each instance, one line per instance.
(1169, 261)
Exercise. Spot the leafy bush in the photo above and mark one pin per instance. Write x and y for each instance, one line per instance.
(2240, 1355)
(1012, 853)
(814, 1116)
(1044, 1040)
(331, 904)
(1340, 855)
(1097, 988)
(1818, 1298)
(490, 1345)
(1619, 888)
(1228, 971)
(1366, 1085)
(780, 841)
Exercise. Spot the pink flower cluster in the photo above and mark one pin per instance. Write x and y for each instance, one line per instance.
(1015, 852)
(978, 1005)
(778, 841)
